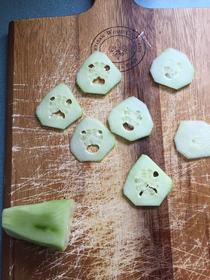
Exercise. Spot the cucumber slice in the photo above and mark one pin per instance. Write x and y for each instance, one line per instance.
(98, 74)
(131, 119)
(47, 224)
(147, 184)
(192, 139)
(91, 140)
(172, 68)
(59, 108)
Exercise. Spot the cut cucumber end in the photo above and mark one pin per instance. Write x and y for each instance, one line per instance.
(147, 184)
(59, 108)
(91, 140)
(98, 74)
(192, 139)
(172, 68)
(46, 224)
(131, 119)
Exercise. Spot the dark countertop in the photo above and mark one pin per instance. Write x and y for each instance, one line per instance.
(12, 10)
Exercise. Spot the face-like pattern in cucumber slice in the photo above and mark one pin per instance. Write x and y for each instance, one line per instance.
(172, 68)
(98, 74)
(91, 140)
(47, 224)
(192, 139)
(147, 184)
(59, 108)
(131, 119)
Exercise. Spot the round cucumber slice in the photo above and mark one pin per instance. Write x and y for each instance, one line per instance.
(59, 108)
(172, 68)
(91, 140)
(131, 119)
(147, 184)
(98, 74)
(47, 224)
(192, 139)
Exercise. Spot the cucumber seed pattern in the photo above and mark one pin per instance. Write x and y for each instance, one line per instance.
(171, 72)
(91, 137)
(98, 70)
(147, 180)
(59, 106)
(131, 118)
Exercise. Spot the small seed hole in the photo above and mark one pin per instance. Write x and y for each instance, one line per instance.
(100, 132)
(141, 193)
(194, 141)
(91, 66)
(68, 101)
(155, 174)
(107, 68)
(52, 98)
(99, 81)
(128, 127)
(59, 113)
(83, 132)
(92, 149)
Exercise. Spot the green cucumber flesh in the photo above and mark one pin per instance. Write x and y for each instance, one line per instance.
(91, 132)
(192, 139)
(47, 224)
(172, 68)
(131, 119)
(59, 108)
(147, 184)
(98, 74)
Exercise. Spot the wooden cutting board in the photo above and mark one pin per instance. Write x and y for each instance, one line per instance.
(111, 239)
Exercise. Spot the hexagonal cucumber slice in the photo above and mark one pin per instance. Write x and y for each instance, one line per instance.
(192, 139)
(131, 119)
(98, 74)
(47, 224)
(59, 108)
(172, 68)
(147, 184)
(91, 140)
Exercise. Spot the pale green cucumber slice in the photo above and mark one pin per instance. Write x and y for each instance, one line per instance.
(192, 139)
(147, 184)
(172, 68)
(131, 119)
(47, 224)
(59, 108)
(91, 140)
(98, 74)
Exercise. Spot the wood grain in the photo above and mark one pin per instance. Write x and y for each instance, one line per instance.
(111, 239)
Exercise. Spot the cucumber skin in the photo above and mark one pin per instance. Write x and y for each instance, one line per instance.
(46, 224)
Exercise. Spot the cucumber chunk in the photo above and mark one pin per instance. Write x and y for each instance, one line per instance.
(147, 184)
(98, 74)
(131, 119)
(47, 224)
(192, 139)
(172, 68)
(59, 108)
(91, 140)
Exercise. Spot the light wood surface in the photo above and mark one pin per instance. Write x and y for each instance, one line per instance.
(111, 239)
